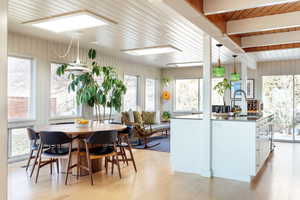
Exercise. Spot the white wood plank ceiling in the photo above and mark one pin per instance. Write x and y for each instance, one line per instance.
(140, 24)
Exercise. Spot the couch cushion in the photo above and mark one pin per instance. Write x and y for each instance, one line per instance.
(137, 117)
(148, 117)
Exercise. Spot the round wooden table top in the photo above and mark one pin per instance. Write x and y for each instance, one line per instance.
(72, 129)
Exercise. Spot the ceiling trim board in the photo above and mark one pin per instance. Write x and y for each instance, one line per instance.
(220, 6)
(271, 39)
(265, 23)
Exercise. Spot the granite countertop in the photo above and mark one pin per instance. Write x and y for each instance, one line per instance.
(225, 118)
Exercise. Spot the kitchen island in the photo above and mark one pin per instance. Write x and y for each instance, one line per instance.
(238, 149)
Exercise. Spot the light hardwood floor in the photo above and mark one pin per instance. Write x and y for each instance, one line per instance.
(156, 181)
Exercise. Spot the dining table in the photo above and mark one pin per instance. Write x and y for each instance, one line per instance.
(81, 132)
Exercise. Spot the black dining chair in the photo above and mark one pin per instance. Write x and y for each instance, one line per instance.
(55, 151)
(107, 150)
(34, 146)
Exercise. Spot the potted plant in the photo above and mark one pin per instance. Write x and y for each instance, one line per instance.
(221, 88)
(166, 116)
(89, 91)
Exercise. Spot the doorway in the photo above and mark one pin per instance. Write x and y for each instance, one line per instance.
(281, 95)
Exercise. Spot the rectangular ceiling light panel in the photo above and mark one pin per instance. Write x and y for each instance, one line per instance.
(70, 21)
(152, 50)
(186, 64)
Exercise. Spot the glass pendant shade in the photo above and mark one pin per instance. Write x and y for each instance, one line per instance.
(219, 70)
(235, 76)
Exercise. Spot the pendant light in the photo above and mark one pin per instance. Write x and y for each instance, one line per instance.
(235, 76)
(219, 71)
(78, 66)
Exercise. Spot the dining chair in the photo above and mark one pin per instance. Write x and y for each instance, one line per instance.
(55, 151)
(123, 145)
(34, 146)
(107, 150)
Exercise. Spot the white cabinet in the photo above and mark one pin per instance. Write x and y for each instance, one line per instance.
(263, 141)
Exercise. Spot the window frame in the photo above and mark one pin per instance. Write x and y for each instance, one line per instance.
(32, 102)
(137, 90)
(174, 99)
(155, 93)
(62, 117)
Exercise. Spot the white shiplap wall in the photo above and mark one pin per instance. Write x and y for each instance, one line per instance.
(43, 52)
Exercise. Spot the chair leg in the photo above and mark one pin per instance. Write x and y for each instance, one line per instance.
(118, 164)
(112, 165)
(89, 163)
(106, 165)
(78, 158)
(57, 165)
(131, 154)
(69, 162)
(39, 163)
(35, 160)
(29, 159)
(51, 160)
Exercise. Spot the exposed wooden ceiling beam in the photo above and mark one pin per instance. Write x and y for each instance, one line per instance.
(222, 6)
(264, 23)
(271, 39)
(272, 47)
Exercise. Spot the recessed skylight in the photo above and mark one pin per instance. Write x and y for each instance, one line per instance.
(185, 64)
(70, 21)
(152, 50)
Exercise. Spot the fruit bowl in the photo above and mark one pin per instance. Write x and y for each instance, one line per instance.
(81, 123)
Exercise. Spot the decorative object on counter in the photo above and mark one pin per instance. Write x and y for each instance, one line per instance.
(236, 85)
(219, 71)
(166, 116)
(235, 76)
(165, 82)
(166, 95)
(107, 94)
(221, 88)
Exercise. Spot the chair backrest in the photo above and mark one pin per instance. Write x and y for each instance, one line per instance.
(53, 138)
(32, 135)
(102, 137)
(62, 123)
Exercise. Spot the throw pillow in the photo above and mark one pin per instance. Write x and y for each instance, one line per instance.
(148, 117)
(137, 117)
(131, 116)
(125, 118)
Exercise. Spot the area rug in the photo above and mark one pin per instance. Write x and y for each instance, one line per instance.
(164, 145)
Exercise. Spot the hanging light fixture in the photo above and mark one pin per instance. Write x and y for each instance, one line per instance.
(78, 66)
(235, 76)
(219, 71)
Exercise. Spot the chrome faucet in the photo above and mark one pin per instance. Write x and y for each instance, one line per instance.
(245, 102)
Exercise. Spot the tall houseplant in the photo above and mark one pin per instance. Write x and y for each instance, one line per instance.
(221, 88)
(90, 91)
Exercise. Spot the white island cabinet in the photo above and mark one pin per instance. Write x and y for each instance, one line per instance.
(239, 146)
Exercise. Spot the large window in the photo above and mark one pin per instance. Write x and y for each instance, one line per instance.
(187, 95)
(216, 99)
(131, 96)
(63, 103)
(19, 88)
(150, 95)
(19, 144)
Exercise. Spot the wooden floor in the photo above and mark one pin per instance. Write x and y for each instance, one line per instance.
(156, 181)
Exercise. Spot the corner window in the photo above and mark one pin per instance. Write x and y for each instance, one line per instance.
(131, 96)
(20, 90)
(62, 103)
(150, 94)
(187, 95)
